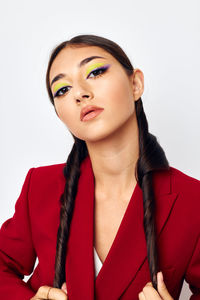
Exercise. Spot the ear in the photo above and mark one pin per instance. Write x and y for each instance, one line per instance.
(137, 82)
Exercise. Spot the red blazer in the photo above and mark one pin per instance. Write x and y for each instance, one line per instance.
(32, 232)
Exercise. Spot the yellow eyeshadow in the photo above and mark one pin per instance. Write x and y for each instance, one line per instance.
(97, 65)
(59, 85)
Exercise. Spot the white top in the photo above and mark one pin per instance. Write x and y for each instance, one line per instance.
(97, 262)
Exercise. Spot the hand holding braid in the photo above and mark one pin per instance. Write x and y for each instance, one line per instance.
(148, 292)
(48, 292)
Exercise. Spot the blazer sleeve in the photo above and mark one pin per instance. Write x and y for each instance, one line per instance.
(192, 276)
(17, 254)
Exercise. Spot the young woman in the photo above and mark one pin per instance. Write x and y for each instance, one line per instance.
(115, 221)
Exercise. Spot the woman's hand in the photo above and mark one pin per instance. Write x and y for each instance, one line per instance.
(49, 292)
(149, 293)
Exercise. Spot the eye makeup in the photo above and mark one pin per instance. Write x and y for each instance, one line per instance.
(58, 86)
(95, 66)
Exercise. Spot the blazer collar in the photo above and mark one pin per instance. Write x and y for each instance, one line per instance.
(128, 251)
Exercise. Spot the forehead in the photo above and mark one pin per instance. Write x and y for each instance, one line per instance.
(69, 58)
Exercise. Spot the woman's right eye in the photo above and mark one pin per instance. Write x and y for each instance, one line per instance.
(61, 92)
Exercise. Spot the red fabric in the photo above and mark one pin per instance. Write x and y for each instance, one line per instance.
(32, 232)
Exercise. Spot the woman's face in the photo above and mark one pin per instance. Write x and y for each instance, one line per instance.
(101, 82)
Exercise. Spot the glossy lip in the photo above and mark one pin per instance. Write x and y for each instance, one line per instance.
(88, 108)
(91, 115)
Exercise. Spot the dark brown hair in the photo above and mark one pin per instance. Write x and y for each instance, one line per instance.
(151, 158)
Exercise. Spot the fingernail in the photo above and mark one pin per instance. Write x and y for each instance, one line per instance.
(64, 288)
(160, 274)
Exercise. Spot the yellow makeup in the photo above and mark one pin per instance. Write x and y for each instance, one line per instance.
(58, 86)
(94, 66)
(89, 69)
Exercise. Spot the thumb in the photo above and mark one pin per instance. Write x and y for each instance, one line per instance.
(162, 289)
(64, 287)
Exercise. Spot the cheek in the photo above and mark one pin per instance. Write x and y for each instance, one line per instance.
(65, 113)
(121, 98)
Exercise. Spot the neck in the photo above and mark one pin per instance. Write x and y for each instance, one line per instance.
(114, 160)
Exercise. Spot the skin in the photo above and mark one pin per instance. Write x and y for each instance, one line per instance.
(112, 137)
(51, 292)
(112, 140)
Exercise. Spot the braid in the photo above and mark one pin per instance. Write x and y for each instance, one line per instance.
(72, 173)
(151, 158)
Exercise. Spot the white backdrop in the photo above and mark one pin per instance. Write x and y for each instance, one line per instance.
(162, 38)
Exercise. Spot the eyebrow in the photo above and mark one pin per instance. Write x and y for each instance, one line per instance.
(83, 62)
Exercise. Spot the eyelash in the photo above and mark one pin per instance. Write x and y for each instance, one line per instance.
(103, 69)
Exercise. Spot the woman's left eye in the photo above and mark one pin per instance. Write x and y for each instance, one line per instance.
(98, 72)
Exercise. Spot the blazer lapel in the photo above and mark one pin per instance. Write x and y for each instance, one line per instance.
(128, 251)
(79, 257)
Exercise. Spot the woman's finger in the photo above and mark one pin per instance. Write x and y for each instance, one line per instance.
(57, 294)
(162, 289)
(51, 293)
(43, 292)
(141, 296)
(64, 287)
(150, 293)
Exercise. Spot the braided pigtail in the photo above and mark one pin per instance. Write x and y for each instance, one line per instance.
(151, 158)
(72, 173)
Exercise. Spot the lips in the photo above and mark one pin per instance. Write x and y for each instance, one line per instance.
(87, 109)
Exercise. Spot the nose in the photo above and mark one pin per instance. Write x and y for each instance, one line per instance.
(82, 96)
(80, 93)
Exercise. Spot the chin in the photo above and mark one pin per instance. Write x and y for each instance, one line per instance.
(92, 137)
(100, 131)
